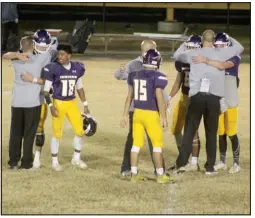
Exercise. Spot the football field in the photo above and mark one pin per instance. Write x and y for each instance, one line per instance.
(100, 189)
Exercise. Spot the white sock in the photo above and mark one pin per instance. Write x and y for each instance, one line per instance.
(133, 170)
(54, 160)
(193, 160)
(77, 142)
(37, 155)
(160, 171)
(76, 155)
(54, 145)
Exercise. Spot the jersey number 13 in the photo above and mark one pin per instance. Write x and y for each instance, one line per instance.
(68, 87)
(140, 90)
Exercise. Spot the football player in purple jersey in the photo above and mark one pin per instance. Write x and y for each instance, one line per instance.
(145, 87)
(64, 77)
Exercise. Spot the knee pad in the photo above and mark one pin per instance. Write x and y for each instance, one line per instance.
(40, 138)
(159, 150)
(135, 149)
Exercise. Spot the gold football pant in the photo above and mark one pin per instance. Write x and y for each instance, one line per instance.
(228, 122)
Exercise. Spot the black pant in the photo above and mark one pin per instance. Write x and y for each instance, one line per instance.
(126, 165)
(208, 106)
(24, 123)
(7, 28)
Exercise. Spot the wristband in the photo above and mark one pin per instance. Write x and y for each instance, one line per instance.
(50, 104)
(35, 80)
(85, 103)
(169, 98)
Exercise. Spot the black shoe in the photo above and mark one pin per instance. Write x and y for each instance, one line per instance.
(172, 168)
(13, 167)
(25, 167)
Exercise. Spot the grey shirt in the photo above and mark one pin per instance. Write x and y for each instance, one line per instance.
(27, 94)
(198, 72)
(134, 65)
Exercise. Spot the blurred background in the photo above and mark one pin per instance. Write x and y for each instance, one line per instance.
(109, 21)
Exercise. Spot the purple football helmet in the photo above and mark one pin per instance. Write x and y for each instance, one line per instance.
(42, 41)
(222, 40)
(152, 59)
(194, 41)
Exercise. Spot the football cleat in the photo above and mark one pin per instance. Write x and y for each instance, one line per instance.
(235, 169)
(163, 179)
(89, 125)
(220, 166)
(79, 163)
(56, 167)
(135, 178)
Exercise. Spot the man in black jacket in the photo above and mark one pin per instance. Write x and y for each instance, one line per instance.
(9, 24)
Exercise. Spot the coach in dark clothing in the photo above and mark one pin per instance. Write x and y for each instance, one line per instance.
(10, 21)
(26, 104)
(207, 86)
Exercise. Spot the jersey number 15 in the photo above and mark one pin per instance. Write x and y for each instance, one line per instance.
(140, 90)
(68, 87)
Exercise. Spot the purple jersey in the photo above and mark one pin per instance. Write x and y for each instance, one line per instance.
(233, 71)
(63, 80)
(144, 83)
(184, 69)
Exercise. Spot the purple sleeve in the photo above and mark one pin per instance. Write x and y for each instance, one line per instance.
(48, 72)
(130, 79)
(81, 69)
(235, 60)
(161, 81)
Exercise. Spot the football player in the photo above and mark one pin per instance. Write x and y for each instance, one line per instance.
(182, 80)
(145, 87)
(228, 119)
(64, 77)
(122, 74)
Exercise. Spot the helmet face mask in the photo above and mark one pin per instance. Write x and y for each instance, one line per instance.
(42, 41)
(193, 42)
(222, 40)
(152, 59)
(89, 125)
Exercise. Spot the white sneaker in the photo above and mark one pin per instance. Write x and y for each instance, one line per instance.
(180, 170)
(79, 163)
(192, 167)
(235, 169)
(56, 166)
(210, 173)
(36, 164)
(126, 173)
(220, 166)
